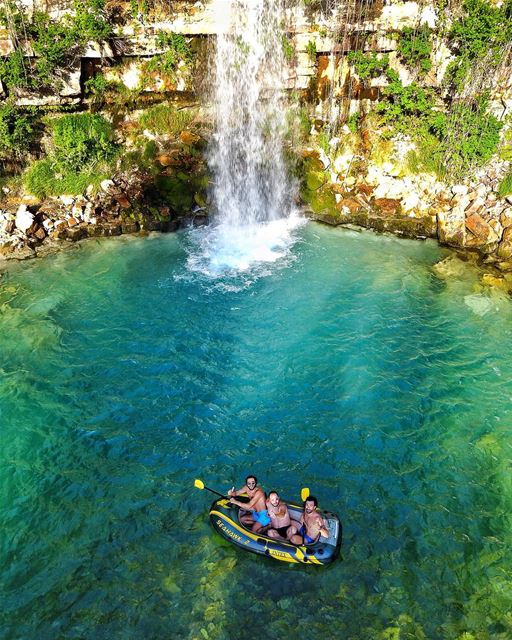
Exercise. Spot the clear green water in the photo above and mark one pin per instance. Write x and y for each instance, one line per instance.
(352, 367)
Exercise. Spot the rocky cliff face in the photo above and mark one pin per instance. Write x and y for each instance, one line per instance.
(370, 82)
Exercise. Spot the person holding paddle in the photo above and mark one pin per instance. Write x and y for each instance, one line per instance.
(257, 505)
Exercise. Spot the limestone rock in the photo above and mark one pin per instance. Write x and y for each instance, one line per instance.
(506, 217)
(24, 219)
(387, 206)
(39, 233)
(122, 200)
(482, 232)
(505, 246)
(67, 200)
(451, 227)
(460, 189)
(411, 202)
(106, 185)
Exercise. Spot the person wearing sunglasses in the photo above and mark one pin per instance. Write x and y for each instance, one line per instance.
(257, 507)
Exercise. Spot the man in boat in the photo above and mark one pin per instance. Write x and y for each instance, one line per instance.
(279, 515)
(312, 524)
(258, 517)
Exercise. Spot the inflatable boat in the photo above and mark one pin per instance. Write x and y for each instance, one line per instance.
(225, 519)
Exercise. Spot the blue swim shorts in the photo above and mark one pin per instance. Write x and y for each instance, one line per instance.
(261, 517)
(307, 539)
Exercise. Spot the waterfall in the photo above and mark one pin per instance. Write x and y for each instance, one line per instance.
(253, 195)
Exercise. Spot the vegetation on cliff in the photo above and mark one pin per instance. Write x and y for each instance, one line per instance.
(80, 151)
(54, 42)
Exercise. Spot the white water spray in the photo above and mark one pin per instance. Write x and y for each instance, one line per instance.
(253, 195)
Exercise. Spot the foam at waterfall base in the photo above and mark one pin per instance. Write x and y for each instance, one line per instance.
(222, 250)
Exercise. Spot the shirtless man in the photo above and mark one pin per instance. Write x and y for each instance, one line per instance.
(259, 516)
(313, 525)
(278, 513)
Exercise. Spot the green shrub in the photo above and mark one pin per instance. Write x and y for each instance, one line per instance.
(45, 178)
(505, 188)
(353, 122)
(288, 49)
(401, 102)
(15, 71)
(506, 149)
(177, 50)
(165, 118)
(82, 148)
(368, 65)
(90, 21)
(16, 130)
(484, 31)
(471, 136)
(311, 50)
(451, 145)
(81, 140)
(57, 43)
(415, 47)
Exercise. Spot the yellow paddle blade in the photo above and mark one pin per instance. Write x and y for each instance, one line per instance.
(304, 494)
(198, 484)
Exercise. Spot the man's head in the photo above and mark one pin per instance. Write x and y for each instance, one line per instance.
(274, 499)
(310, 504)
(251, 482)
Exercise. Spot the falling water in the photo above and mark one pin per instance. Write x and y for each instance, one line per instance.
(253, 194)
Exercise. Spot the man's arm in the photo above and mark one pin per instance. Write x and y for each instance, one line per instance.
(251, 504)
(324, 531)
(237, 492)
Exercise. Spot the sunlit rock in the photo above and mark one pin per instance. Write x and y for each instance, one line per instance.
(481, 232)
(24, 219)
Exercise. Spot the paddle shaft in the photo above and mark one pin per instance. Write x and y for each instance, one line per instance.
(215, 492)
(218, 494)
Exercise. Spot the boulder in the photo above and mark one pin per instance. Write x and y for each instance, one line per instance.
(506, 217)
(482, 232)
(411, 202)
(24, 219)
(348, 206)
(460, 189)
(505, 246)
(76, 233)
(189, 138)
(387, 206)
(122, 200)
(39, 233)
(107, 185)
(476, 206)
(451, 227)
(67, 200)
